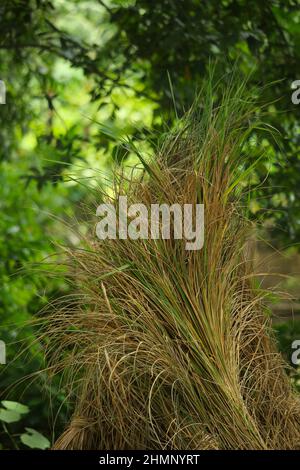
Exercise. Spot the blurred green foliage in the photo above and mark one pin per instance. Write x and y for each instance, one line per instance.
(13, 412)
(74, 67)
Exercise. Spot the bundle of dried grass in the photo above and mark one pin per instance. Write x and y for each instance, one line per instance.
(165, 348)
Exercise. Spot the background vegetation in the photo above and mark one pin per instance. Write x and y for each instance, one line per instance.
(73, 68)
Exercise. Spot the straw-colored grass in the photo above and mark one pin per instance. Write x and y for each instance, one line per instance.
(164, 348)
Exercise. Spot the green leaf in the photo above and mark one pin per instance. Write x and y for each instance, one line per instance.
(34, 439)
(15, 406)
(9, 416)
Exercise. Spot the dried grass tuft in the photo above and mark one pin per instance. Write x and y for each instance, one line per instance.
(166, 348)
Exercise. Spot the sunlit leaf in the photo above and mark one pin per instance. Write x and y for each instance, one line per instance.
(9, 416)
(15, 406)
(34, 439)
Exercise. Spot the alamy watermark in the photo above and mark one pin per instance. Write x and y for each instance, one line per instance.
(136, 221)
(2, 92)
(295, 359)
(296, 94)
(2, 352)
